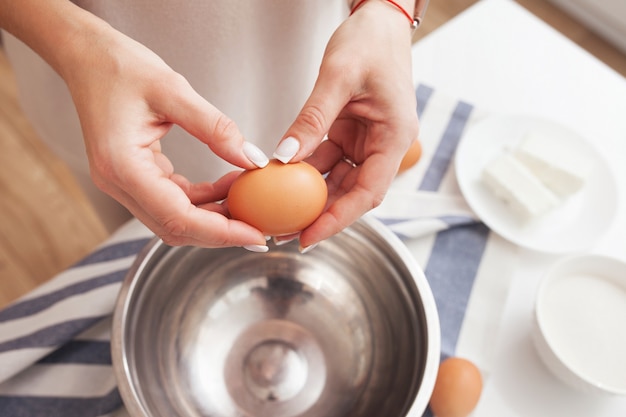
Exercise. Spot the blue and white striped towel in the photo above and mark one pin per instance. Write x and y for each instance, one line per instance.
(54, 342)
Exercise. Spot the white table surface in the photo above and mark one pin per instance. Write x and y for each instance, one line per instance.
(499, 57)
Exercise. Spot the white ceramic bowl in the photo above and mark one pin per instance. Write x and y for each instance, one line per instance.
(580, 323)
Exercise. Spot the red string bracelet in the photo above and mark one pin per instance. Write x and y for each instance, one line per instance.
(414, 22)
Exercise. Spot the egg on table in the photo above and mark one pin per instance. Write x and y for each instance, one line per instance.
(279, 199)
(411, 157)
(457, 388)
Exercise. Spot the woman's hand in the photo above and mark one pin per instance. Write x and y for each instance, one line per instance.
(127, 99)
(364, 101)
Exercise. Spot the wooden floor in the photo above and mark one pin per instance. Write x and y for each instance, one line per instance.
(46, 223)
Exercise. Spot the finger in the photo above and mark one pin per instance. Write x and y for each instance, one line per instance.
(284, 239)
(181, 104)
(165, 208)
(206, 192)
(205, 226)
(219, 208)
(329, 96)
(326, 156)
(352, 193)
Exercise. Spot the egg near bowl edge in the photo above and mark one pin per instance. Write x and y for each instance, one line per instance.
(457, 389)
(411, 157)
(279, 199)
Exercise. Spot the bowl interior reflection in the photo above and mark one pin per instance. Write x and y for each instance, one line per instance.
(340, 331)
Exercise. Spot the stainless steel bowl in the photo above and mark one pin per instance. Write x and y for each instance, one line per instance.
(349, 329)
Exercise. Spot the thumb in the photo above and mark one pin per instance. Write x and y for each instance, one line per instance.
(313, 122)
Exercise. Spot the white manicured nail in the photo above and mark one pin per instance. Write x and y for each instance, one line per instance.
(255, 154)
(287, 149)
(307, 249)
(279, 242)
(256, 248)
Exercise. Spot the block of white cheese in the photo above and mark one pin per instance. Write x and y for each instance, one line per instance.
(562, 168)
(511, 181)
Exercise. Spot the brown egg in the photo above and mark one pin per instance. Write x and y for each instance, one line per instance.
(280, 198)
(457, 388)
(411, 157)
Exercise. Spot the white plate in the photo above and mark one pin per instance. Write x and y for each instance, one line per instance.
(573, 226)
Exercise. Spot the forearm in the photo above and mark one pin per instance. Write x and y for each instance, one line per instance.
(57, 30)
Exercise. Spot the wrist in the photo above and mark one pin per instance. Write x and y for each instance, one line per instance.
(413, 10)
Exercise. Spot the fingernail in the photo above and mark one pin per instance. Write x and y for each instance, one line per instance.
(287, 149)
(256, 248)
(255, 154)
(307, 249)
(278, 241)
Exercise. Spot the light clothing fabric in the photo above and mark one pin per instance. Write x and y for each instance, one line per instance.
(256, 61)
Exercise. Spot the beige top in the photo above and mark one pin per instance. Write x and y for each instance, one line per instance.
(254, 60)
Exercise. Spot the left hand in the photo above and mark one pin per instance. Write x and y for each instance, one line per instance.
(364, 101)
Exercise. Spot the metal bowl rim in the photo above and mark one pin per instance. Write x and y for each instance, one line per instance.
(120, 365)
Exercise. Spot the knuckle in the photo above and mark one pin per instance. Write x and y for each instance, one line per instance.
(177, 80)
(101, 174)
(173, 80)
(313, 118)
(373, 197)
(172, 232)
(377, 199)
(224, 127)
(341, 66)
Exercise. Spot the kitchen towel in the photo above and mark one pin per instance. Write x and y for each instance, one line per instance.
(468, 267)
(54, 343)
